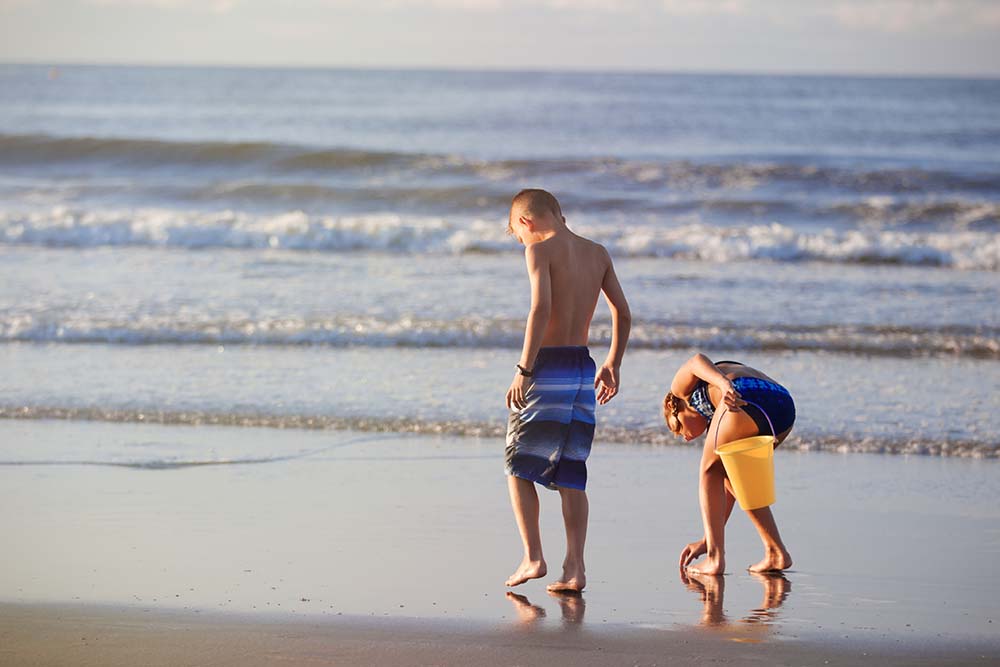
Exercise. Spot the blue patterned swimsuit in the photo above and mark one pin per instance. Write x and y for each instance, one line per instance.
(770, 396)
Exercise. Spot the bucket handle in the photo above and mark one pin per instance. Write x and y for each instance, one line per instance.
(774, 434)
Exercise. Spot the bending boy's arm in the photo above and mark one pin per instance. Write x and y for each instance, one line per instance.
(700, 367)
(541, 304)
(621, 316)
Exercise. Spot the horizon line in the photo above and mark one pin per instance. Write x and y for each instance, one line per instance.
(507, 70)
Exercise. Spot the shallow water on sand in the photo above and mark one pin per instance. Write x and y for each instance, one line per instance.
(418, 526)
(841, 403)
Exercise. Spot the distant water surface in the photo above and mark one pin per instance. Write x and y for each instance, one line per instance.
(850, 225)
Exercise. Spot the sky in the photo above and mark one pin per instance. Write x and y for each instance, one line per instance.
(869, 37)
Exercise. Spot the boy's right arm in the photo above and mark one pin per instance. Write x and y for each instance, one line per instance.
(608, 375)
(700, 367)
(538, 319)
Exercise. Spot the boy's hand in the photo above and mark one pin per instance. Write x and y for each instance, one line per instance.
(731, 397)
(606, 383)
(692, 552)
(515, 395)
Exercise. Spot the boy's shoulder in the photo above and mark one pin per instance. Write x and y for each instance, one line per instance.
(594, 256)
(600, 253)
(553, 244)
(592, 243)
(552, 249)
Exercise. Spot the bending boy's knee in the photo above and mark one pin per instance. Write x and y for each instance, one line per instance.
(712, 468)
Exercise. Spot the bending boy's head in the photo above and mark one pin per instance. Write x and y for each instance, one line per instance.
(537, 209)
(682, 419)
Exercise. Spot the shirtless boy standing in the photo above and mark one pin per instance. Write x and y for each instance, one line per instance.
(552, 397)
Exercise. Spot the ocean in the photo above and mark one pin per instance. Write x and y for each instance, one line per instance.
(317, 248)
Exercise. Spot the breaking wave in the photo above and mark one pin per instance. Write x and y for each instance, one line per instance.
(66, 227)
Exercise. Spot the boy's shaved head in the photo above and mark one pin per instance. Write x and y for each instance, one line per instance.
(534, 201)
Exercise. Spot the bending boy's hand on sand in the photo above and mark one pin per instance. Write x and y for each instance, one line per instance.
(606, 382)
(692, 552)
(515, 395)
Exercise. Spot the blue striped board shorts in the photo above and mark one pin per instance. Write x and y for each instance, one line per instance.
(548, 442)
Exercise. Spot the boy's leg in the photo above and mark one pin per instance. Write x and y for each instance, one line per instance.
(524, 501)
(711, 497)
(776, 556)
(712, 489)
(698, 548)
(576, 510)
(571, 476)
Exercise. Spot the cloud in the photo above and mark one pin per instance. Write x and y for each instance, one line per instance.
(213, 6)
(704, 7)
(678, 7)
(900, 16)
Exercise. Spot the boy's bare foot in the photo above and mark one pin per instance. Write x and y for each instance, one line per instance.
(573, 580)
(775, 560)
(714, 564)
(568, 585)
(528, 569)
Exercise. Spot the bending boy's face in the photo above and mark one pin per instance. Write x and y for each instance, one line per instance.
(686, 424)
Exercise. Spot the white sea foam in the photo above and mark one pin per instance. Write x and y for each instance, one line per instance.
(66, 227)
(199, 328)
(803, 441)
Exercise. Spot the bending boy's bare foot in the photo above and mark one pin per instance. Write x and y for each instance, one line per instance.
(775, 560)
(528, 569)
(714, 564)
(573, 580)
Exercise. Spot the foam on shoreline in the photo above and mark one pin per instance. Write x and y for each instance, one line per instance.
(462, 428)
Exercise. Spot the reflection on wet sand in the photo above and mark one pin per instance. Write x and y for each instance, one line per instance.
(753, 627)
(776, 590)
(572, 605)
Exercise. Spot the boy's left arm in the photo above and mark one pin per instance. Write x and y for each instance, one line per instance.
(608, 376)
(538, 318)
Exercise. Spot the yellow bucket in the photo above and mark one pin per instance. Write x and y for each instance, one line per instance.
(749, 464)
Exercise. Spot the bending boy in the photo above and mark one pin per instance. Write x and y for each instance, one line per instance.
(557, 385)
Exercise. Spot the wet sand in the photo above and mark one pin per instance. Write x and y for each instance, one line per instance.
(65, 635)
(391, 548)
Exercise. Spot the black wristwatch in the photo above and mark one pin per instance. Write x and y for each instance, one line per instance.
(524, 371)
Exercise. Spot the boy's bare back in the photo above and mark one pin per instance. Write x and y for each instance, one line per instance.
(568, 274)
(578, 270)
